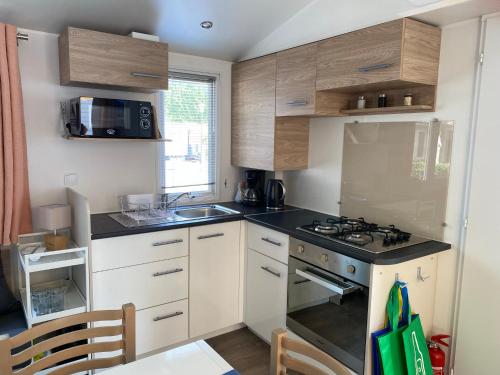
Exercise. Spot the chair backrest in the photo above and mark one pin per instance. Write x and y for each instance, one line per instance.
(281, 361)
(126, 344)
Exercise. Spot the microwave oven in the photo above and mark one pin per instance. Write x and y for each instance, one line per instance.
(110, 118)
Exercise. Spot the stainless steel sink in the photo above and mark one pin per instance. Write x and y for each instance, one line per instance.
(204, 212)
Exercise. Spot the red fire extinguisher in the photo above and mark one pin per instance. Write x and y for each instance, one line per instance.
(438, 357)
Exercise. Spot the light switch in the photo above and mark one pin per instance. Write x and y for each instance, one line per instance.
(70, 179)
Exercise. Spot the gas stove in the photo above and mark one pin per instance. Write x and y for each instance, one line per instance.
(361, 234)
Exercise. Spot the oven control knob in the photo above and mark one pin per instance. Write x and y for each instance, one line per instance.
(301, 249)
(324, 258)
(351, 268)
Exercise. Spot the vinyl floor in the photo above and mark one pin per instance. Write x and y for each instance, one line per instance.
(244, 351)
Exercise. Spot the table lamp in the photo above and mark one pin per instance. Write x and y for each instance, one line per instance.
(54, 217)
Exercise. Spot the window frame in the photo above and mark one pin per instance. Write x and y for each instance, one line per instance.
(199, 197)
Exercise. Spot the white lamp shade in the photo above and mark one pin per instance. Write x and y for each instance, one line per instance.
(54, 216)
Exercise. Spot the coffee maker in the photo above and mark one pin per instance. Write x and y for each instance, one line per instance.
(253, 195)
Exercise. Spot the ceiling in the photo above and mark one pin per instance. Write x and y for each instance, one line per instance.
(242, 28)
(238, 24)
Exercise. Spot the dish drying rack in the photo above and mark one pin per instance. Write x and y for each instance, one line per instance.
(145, 209)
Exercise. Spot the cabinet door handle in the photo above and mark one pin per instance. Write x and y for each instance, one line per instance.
(272, 242)
(267, 269)
(369, 68)
(168, 272)
(146, 75)
(297, 103)
(171, 242)
(162, 317)
(204, 237)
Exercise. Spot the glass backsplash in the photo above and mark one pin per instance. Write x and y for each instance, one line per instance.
(398, 173)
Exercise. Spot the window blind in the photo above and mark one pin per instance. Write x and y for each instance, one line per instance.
(187, 116)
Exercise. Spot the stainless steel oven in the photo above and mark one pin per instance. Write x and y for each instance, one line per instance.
(328, 301)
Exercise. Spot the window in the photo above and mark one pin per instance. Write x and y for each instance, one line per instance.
(187, 116)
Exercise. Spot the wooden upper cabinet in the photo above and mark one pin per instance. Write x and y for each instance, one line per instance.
(92, 58)
(296, 81)
(258, 139)
(395, 54)
(296, 93)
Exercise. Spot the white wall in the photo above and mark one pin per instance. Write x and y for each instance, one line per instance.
(105, 169)
(454, 100)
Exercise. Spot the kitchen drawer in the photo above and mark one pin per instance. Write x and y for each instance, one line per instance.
(265, 304)
(116, 252)
(144, 285)
(268, 242)
(156, 328)
(161, 326)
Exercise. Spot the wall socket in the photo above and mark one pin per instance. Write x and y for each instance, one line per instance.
(70, 179)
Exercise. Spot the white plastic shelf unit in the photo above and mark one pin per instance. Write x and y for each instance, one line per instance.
(76, 284)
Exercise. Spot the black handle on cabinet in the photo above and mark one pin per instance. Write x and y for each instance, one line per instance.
(162, 273)
(162, 317)
(272, 242)
(267, 269)
(369, 68)
(204, 237)
(171, 242)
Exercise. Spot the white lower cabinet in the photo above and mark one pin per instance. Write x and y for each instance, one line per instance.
(184, 283)
(265, 303)
(161, 326)
(214, 277)
(144, 285)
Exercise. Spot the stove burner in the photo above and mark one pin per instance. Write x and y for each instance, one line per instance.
(358, 238)
(325, 228)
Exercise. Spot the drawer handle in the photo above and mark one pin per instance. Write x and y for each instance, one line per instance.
(210, 236)
(297, 103)
(369, 68)
(162, 317)
(272, 242)
(267, 269)
(171, 242)
(146, 75)
(156, 274)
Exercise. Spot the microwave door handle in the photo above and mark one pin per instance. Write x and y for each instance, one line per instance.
(326, 283)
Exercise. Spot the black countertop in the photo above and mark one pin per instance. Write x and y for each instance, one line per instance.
(285, 221)
(288, 222)
(102, 226)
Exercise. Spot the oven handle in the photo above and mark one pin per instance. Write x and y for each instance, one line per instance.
(327, 283)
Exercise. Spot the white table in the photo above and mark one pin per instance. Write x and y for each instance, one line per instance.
(195, 358)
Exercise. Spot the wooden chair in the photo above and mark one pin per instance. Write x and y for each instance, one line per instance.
(127, 343)
(281, 361)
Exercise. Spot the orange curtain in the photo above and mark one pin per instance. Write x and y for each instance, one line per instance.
(15, 211)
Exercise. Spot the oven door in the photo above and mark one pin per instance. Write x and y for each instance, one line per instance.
(328, 311)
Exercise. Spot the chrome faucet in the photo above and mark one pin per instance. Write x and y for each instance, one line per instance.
(166, 204)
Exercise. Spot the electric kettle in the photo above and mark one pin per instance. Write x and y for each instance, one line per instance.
(275, 194)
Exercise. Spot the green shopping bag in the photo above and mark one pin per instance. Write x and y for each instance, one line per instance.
(418, 361)
(390, 345)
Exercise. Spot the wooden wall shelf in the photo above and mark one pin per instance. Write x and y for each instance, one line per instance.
(386, 110)
(86, 139)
